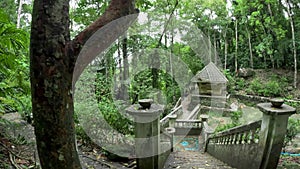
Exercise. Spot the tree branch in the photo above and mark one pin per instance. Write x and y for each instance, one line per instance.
(166, 25)
(115, 10)
(109, 29)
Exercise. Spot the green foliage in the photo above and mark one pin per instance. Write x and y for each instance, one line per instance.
(256, 86)
(14, 67)
(231, 81)
(114, 117)
(292, 103)
(108, 108)
(235, 116)
(293, 129)
(10, 8)
(188, 56)
(13, 136)
(143, 4)
(240, 83)
(224, 127)
(141, 86)
(273, 87)
(85, 13)
(81, 134)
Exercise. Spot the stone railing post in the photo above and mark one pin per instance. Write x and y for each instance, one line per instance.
(204, 117)
(172, 120)
(273, 130)
(206, 130)
(171, 131)
(147, 130)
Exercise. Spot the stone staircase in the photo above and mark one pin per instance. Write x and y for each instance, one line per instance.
(193, 160)
(189, 154)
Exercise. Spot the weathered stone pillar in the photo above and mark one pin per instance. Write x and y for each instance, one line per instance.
(171, 131)
(273, 130)
(147, 129)
(172, 120)
(206, 130)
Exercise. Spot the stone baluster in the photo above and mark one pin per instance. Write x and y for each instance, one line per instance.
(246, 137)
(232, 139)
(252, 139)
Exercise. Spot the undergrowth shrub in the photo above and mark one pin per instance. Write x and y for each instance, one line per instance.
(273, 87)
(114, 117)
(235, 116)
(293, 129)
(231, 81)
(241, 83)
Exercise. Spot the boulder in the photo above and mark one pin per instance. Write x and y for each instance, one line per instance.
(245, 72)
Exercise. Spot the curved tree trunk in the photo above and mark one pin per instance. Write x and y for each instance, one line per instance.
(52, 60)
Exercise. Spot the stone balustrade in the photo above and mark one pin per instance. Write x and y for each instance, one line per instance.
(255, 145)
(245, 134)
(188, 124)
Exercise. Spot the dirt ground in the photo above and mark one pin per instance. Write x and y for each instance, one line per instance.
(18, 148)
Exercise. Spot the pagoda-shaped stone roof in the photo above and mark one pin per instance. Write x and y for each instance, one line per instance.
(210, 73)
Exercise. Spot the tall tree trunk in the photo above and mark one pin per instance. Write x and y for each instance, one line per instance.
(225, 52)
(119, 57)
(19, 13)
(209, 47)
(293, 41)
(155, 62)
(124, 89)
(272, 61)
(236, 46)
(225, 48)
(250, 48)
(52, 61)
(51, 84)
(215, 49)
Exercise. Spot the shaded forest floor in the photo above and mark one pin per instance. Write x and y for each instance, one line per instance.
(18, 148)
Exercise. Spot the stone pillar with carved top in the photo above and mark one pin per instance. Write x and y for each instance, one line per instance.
(147, 130)
(172, 120)
(273, 131)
